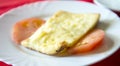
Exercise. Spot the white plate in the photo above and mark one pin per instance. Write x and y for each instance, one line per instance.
(111, 4)
(19, 56)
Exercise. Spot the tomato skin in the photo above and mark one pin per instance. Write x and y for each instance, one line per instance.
(25, 28)
(93, 39)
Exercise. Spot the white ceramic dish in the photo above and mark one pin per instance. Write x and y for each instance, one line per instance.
(111, 4)
(19, 56)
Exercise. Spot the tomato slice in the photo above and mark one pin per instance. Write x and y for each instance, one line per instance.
(89, 42)
(25, 28)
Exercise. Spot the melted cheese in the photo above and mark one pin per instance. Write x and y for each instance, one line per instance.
(61, 31)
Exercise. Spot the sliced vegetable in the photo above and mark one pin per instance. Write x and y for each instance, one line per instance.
(89, 42)
(25, 28)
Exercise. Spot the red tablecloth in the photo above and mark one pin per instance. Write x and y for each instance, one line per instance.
(5, 5)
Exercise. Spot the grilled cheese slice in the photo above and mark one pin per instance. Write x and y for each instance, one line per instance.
(61, 31)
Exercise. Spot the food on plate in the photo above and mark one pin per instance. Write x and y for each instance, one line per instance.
(25, 28)
(61, 31)
(91, 40)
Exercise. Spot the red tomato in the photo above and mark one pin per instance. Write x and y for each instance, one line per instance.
(89, 42)
(25, 28)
